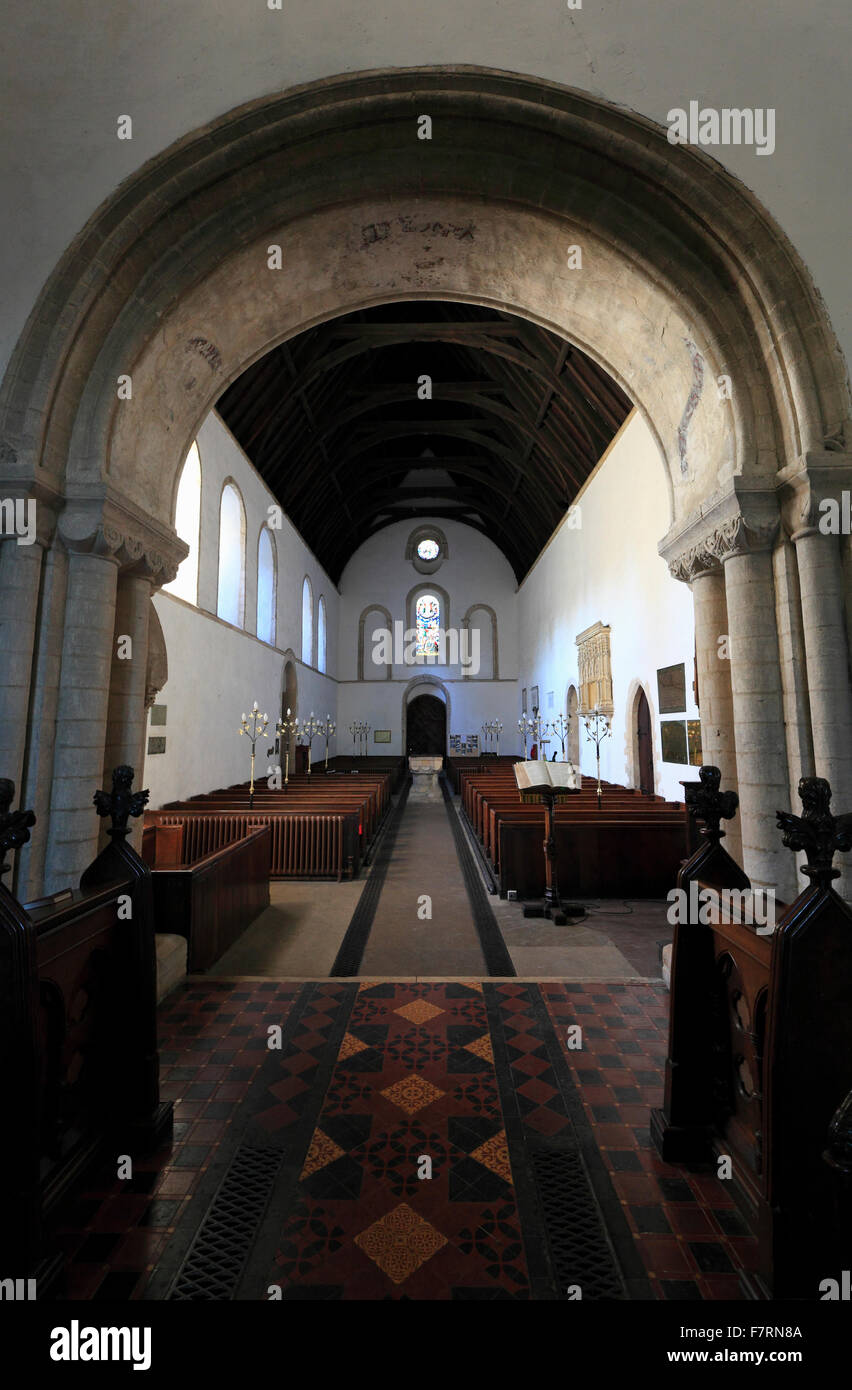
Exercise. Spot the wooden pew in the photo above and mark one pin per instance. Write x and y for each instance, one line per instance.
(760, 1048)
(301, 845)
(78, 1045)
(209, 900)
(606, 856)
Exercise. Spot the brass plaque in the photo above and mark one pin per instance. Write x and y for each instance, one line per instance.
(673, 740)
(693, 738)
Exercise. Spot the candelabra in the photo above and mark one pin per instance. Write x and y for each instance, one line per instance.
(491, 733)
(329, 728)
(285, 729)
(306, 733)
(360, 731)
(559, 727)
(253, 727)
(597, 729)
(539, 729)
(526, 726)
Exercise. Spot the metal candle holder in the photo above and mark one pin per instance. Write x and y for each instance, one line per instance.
(360, 731)
(559, 728)
(329, 728)
(597, 729)
(526, 726)
(253, 726)
(306, 732)
(491, 730)
(285, 728)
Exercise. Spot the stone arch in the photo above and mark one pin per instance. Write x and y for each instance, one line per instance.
(372, 608)
(670, 215)
(572, 714)
(465, 626)
(693, 279)
(423, 685)
(635, 691)
(289, 698)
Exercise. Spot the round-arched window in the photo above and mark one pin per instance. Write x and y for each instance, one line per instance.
(428, 549)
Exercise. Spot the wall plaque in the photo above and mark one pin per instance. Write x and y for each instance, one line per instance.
(381, 735)
(673, 740)
(671, 689)
(157, 744)
(693, 738)
(158, 714)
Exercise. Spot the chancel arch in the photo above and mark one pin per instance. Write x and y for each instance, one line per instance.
(673, 237)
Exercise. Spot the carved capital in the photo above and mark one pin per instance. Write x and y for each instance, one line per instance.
(136, 544)
(816, 494)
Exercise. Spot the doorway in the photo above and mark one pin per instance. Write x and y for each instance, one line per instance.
(426, 726)
(644, 746)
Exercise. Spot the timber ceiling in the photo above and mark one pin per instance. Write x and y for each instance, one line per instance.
(516, 422)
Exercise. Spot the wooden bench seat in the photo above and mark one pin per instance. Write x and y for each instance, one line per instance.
(211, 899)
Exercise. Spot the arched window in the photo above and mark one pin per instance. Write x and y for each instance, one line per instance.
(321, 635)
(266, 587)
(231, 601)
(307, 622)
(427, 621)
(188, 525)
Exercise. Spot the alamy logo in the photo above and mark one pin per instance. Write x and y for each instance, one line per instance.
(755, 907)
(76, 1343)
(18, 518)
(726, 126)
(402, 647)
(17, 1290)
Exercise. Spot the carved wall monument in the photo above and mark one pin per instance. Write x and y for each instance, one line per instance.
(593, 656)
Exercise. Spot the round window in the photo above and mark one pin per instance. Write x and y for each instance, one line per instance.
(428, 550)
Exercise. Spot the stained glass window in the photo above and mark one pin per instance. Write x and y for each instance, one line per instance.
(428, 550)
(427, 615)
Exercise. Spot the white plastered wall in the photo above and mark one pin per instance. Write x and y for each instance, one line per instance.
(607, 570)
(217, 670)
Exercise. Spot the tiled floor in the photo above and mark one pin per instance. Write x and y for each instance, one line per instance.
(213, 1045)
(211, 1048)
(692, 1240)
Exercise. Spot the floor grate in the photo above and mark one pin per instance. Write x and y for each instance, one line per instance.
(218, 1254)
(580, 1252)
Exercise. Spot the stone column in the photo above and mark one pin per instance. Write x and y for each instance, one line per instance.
(758, 702)
(81, 715)
(827, 657)
(44, 699)
(718, 745)
(127, 712)
(20, 581)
